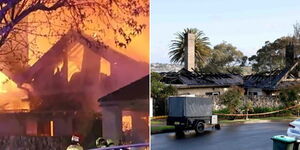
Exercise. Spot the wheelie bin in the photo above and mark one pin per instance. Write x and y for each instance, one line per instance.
(282, 142)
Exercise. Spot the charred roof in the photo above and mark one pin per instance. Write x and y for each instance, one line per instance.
(266, 81)
(191, 78)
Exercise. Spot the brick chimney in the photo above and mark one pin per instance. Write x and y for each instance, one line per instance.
(189, 52)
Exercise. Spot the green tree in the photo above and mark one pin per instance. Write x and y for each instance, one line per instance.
(233, 99)
(225, 58)
(202, 49)
(160, 92)
(270, 57)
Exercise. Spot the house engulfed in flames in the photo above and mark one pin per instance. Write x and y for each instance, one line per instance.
(57, 96)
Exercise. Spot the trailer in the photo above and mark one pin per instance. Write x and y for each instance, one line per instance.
(186, 113)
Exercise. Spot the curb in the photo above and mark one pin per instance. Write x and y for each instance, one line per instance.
(230, 124)
(252, 122)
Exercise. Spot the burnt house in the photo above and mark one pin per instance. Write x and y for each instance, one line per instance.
(191, 83)
(268, 84)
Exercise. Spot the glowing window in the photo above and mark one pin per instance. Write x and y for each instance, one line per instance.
(105, 67)
(126, 123)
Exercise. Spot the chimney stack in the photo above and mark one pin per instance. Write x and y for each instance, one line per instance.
(189, 52)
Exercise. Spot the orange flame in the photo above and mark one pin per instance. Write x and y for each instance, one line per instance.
(11, 97)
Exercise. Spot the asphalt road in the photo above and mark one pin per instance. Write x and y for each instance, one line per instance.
(233, 137)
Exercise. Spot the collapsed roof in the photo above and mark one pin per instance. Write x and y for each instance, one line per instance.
(275, 80)
(190, 78)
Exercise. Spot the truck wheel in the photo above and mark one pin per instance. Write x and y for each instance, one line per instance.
(199, 128)
(218, 126)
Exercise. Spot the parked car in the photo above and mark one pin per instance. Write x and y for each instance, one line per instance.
(294, 129)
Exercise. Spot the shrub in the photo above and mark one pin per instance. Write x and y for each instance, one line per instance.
(232, 99)
(221, 111)
(289, 97)
(262, 109)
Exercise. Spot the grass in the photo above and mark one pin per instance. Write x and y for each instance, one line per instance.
(157, 122)
(162, 129)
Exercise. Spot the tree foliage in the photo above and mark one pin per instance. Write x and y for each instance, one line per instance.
(233, 99)
(225, 58)
(290, 96)
(271, 56)
(160, 92)
(177, 48)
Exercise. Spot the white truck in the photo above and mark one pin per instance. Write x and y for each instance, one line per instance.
(187, 113)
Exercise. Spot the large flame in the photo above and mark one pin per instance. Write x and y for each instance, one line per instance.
(12, 98)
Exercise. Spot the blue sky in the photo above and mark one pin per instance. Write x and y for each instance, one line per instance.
(245, 24)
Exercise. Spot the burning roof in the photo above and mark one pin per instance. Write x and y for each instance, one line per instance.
(70, 74)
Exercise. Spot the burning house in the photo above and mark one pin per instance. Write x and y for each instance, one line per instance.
(57, 96)
(128, 120)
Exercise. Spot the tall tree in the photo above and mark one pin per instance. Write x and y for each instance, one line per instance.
(271, 56)
(202, 49)
(225, 58)
(296, 31)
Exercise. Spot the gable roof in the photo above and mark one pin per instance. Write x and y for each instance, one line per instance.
(136, 90)
(55, 53)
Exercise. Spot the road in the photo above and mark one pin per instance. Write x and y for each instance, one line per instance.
(233, 137)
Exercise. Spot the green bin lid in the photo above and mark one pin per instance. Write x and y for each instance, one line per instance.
(284, 138)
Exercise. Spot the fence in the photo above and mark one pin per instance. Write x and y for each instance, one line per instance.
(243, 115)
